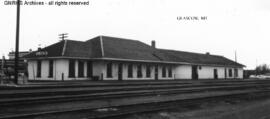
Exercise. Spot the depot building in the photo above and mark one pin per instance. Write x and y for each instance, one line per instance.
(110, 58)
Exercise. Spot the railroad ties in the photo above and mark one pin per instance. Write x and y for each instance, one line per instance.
(86, 99)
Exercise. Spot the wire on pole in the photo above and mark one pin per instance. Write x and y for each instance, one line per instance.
(63, 36)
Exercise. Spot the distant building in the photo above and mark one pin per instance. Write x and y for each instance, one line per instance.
(11, 55)
(110, 58)
(8, 64)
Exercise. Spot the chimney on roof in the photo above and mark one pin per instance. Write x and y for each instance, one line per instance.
(153, 44)
(39, 47)
(207, 53)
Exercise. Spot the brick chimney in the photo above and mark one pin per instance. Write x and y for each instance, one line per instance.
(153, 44)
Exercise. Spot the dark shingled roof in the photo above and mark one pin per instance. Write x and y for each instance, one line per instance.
(127, 49)
(124, 49)
(88, 49)
(197, 58)
(53, 50)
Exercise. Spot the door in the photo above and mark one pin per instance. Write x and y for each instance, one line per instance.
(156, 72)
(194, 72)
(89, 69)
(215, 74)
(120, 72)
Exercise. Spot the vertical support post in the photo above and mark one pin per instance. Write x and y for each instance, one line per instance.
(17, 42)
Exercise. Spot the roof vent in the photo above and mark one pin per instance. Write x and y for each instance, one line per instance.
(153, 44)
(207, 53)
(39, 47)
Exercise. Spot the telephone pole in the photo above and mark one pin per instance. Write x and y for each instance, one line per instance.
(62, 36)
(17, 43)
(235, 56)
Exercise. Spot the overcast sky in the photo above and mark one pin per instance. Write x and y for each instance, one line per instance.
(231, 25)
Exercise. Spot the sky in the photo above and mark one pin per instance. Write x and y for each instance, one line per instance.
(240, 26)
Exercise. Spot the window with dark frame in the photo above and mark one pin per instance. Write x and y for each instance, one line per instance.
(109, 70)
(38, 68)
(163, 71)
(89, 69)
(148, 71)
(50, 69)
(130, 70)
(230, 72)
(71, 67)
(80, 69)
(170, 72)
(139, 71)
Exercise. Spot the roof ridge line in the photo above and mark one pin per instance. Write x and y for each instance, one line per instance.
(197, 53)
(101, 44)
(64, 47)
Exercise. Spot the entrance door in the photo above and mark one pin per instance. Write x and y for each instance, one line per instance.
(194, 72)
(156, 72)
(120, 72)
(89, 69)
(215, 74)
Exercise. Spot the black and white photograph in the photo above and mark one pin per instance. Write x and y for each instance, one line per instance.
(134, 59)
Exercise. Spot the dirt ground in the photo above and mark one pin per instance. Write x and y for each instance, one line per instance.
(222, 110)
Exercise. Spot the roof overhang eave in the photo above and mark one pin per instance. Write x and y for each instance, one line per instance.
(133, 60)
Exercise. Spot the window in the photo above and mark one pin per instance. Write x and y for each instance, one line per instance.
(130, 71)
(139, 71)
(109, 70)
(80, 69)
(230, 72)
(71, 71)
(89, 69)
(235, 72)
(148, 71)
(163, 71)
(170, 72)
(50, 69)
(39, 68)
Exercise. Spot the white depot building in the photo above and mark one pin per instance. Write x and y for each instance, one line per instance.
(109, 58)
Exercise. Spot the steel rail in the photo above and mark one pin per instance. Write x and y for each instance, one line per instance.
(160, 105)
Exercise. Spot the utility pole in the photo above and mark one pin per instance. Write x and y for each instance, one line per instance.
(62, 36)
(17, 43)
(235, 56)
(2, 75)
(235, 59)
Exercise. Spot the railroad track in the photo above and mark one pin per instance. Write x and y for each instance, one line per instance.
(87, 90)
(242, 88)
(56, 85)
(122, 110)
(124, 94)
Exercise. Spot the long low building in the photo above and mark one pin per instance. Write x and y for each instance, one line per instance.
(110, 58)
